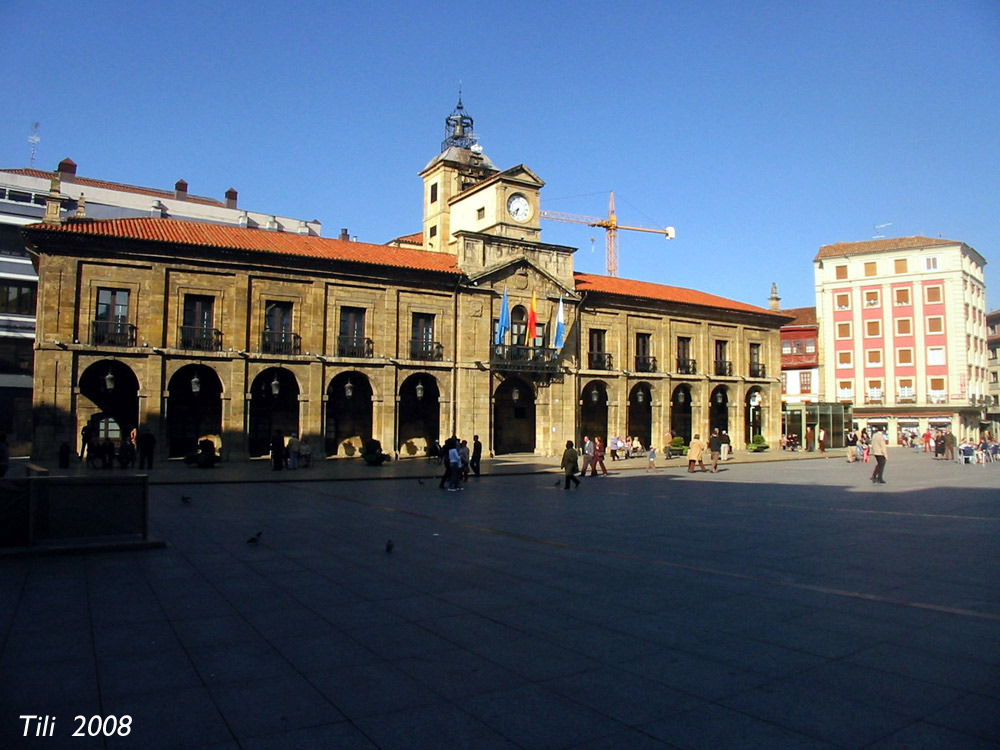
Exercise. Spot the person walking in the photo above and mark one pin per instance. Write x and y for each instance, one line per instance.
(715, 448)
(822, 440)
(477, 455)
(293, 451)
(880, 450)
(146, 446)
(613, 447)
(455, 464)
(651, 460)
(726, 446)
(466, 458)
(569, 459)
(598, 458)
(446, 460)
(696, 453)
(852, 446)
(588, 454)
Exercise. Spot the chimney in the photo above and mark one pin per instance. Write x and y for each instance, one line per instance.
(231, 198)
(181, 190)
(53, 203)
(67, 170)
(344, 235)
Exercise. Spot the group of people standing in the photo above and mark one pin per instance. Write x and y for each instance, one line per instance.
(103, 453)
(290, 454)
(459, 461)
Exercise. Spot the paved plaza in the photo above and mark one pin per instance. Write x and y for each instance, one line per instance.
(776, 604)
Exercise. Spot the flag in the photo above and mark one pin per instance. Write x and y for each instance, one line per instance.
(532, 320)
(504, 324)
(559, 336)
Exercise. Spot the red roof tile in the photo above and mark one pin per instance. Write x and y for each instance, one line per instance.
(230, 237)
(66, 187)
(840, 249)
(586, 282)
(802, 316)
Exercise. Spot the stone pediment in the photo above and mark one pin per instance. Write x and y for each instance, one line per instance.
(521, 277)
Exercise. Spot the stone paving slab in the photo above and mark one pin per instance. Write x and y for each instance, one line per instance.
(776, 604)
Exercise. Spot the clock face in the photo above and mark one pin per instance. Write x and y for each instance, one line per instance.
(518, 207)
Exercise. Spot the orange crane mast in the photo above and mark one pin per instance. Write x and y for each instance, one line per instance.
(611, 226)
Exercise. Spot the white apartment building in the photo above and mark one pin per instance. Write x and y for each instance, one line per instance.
(902, 329)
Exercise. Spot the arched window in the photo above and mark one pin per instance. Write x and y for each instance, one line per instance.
(518, 325)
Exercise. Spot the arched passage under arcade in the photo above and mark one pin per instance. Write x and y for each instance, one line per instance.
(274, 405)
(640, 413)
(113, 390)
(718, 414)
(680, 413)
(419, 415)
(194, 409)
(594, 411)
(514, 417)
(348, 414)
(754, 420)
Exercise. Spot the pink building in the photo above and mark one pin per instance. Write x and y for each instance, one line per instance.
(902, 331)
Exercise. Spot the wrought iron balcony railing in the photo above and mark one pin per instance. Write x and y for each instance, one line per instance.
(354, 346)
(202, 339)
(427, 350)
(518, 357)
(113, 333)
(874, 396)
(723, 367)
(906, 396)
(281, 342)
(687, 367)
(645, 364)
(758, 370)
(599, 360)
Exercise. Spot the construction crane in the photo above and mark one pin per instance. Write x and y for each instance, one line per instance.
(611, 226)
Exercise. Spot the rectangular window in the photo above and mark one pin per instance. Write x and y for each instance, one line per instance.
(899, 265)
(422, 343)
(901, 296)
(810, 346)
(757, 369)
(797, 346)
(904, 357)
(111, 323)
(931, 263)
(685, 364)
(845, 390)
(874, 395)
(906, 394)
(872, 298)
(873, 329)
(873, 357)
(434, 193)
(644, 359)
(935, 355)
(433, 232)
(805, 382)
(932, 294)
(843, 330)
(904, 327)
(840, 272)
(351, 341)
(480, 213)
(599, 358)
(845, 358)
(870, 268)
(786, 347)
(937, 393)
(842, 301)
(935, 324)
(198, 324)
(17, 297)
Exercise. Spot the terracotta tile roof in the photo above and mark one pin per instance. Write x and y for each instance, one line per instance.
(230, 237)
(840, 249)
(67, 187)
(586, 282)
(417, 238)
(802, 316)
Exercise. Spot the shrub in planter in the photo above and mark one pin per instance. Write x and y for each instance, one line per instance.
(758, 444)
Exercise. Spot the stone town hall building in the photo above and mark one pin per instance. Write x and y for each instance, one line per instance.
(192, 329)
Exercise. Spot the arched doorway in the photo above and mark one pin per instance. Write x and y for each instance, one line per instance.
(419, 414)
(348, 414)
(640, 413)
(719, 409)
(114, 389)
(594, 411)
(194, 408)
(680, 413)
(514, 417)
(754, 421)
(274, 405)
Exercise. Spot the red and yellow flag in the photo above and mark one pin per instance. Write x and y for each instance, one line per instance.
(532, 320)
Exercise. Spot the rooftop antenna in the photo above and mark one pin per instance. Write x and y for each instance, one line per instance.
(33, 139)
(878, 231)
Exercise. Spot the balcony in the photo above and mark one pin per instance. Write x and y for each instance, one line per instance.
(758, 370)
(906, 396)
(354, 346)
(202, 339)
(687, 367)
(280, 342)
(599, 360)
(938, 397)
(645, 364)
(112, 333)
(845, 394)
(723, 368)
(429, 351)
(514, 357)
(874, 396)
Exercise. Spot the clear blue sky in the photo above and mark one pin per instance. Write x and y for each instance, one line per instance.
(760, 130)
